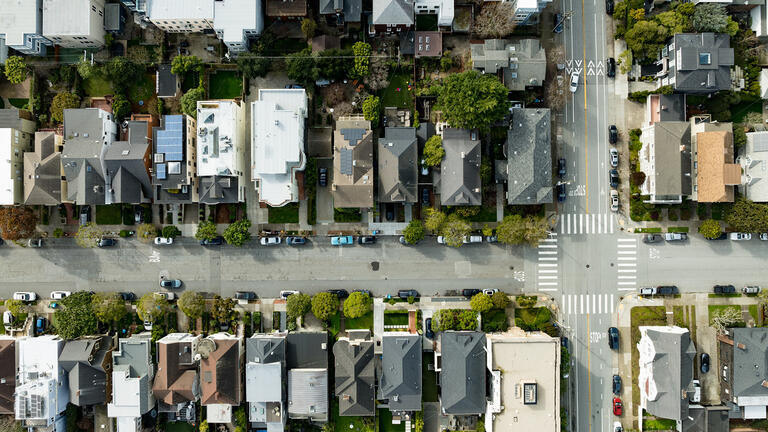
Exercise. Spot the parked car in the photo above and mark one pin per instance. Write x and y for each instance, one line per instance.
(704, 362)
(609, 7)
(613, 338)
(616, 385)
(163, 240)
(617, 427)
(738, 236)
(404, 294)
(472, 239)
(652, 238)
(750, 289)
(295, 241)
(148, 324)
(166, 295)
(7, 320)
(25, 296)
(617, 406)
(613, 134)
(724, 289)
(610, 67)
(322, 176)
(245, 295)
(614, 200)
(648, 291)
(170, 283)
(673, 237)
(561, 195)
(58, 295)
(492, 239)
(85, 214)
(428, 328)
(404, 242)
(424, 167)
(127, 296)
(40, 325)
(440, 239)
(270, 241)
(558, 23)
(216, 241)
(574, 82)
(614, 157)
(365, 240)
(490, 291)
(342, 240)
(364, 291)
(614, 178)
(666, 289)
(470, 292)
(35, 243)
(722, 236)
(340, 293)
(285, 293)
(561, 167)
(106, 242)
(763, 236)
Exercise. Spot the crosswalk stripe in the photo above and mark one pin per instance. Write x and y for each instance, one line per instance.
(634, 258)
(547, 271)
(548, 246)
(627, 270)
(547, 258)
(626, 277)
(547, 283)
(562, 223)
(544, 252)
(550, 239)
(547, 289)
(626, 240)
(598, 223)
(628, 283)
(627, 264)
(625, 252)
(627, 289)
(628, 245)
(547, 265)
(547, 277)
(581, 300)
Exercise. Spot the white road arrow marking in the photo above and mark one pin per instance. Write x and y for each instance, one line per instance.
(578, 63)
(591, 64)
(569, 62)
(599, 72)
(577, 71)
(568, 70)
(590, 71)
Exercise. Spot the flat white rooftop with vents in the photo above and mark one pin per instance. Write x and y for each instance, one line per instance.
(217, 136)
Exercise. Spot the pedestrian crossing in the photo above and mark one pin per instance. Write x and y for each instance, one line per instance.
(626, 263)
(595, 304)
(586, 223)
(547, 267)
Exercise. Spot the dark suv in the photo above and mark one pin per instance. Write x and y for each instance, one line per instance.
(404, 294)
(322, 176)
(470, 292)
(613, 134)
(616, 385)
(666, 290)
(340, 293)
(245, 295)
(613, 338)
(725, 289)
(610, 67)
(561, 167)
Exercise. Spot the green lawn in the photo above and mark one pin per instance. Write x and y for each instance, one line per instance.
(288, 213)
(495, 320)
(142, 90)
(19, 103)
(391, 97)
(397, 318)
(225, 85)
(678, 229)
(385, 422)
(741, 110)
(532, 317)
(713, 309)
(179, 427)
(753, 312)
(347, 215)
(285, 46)
(97, 86)
(334, 325)
(428, 379)
(349, 423)
(659, 424)
(190, 80)
(109, 214)
(364, 322)
(426, 22)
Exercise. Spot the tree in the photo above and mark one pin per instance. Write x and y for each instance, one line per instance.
(61, 102)
(192, 304)
(87, 235)
(182, 64)
(152, 306)
(434, 151)
(378, 74)
(710, 229)
(204, 426)
(725, 318)
(625, 62)
(237, 233)
(297, 305)
(17, 223)
(300, 67)
(747, 216)
(739, 135)
(189, 101)
(710, 17)
(86, 70)
(308, 27)
(446, 61)
(500, 300)
(516, 229)
(334, 64)
(646, 38)
(120, 107)
(76, 318)
(123, 72)
(414, 232)
(325, 305)
(16, 70)
(206, 230)
(637, 14)
(435, 220)
(371, 109)
(223, 310)
(362, 52)
(18, 307)
(481, 303)
(171, 231)
(454, 230)
(495, 21)
(470, 100)
(253, 65)
(357, 304)
(146, 232)
(108, 307)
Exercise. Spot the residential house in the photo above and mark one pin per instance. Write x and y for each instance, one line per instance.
(132, 375)
(665, 159)
(460, 363)
(236, 22)
(278, 119)
(166, 82)
(527, 11)
(352, 163)
(528, 396)
(706, 419)
(42, 388)
(460, 170)
(220, 382)
(8, 365)
(714, 173)
(74, 23)
(398, 165)
(174, 174)
(307, 362)
(181, 16)
(400, 379)
(393, 15)
(177, 387)
(665, 108)
(339, 12)
(221, 151)
(286, 9)
(696, 63)
(19, 119)
(666, 355)
(13, 144)
(127, 163)
(43, 184)
(87, 361)
(265, 377)
(114, 20)
(355, 380)
(442, 8)
(136, 6)
(21, 26)
(427, 44)
(529, 157)
(754, 162)
(87, 134)
(741, 353)
(520, 64)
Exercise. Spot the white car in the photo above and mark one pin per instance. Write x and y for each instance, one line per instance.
(7, 320)
(472, 239)
(25, 296)
(490, 291)
(285, 293)
(166, 295)
(614, 200)
(163, 240)
(58, 295)
(574, 82)
(617, 427)
(763, 236)
(270, 241)
(614, 157)
(440, 239)
(148, 325)
(737, 236)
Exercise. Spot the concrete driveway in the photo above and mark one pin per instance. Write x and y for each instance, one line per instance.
(324, 198)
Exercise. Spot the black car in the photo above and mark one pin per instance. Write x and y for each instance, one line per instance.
(365, 240)
(295, 241)
(723, 236)
(106, 242)
(127, 296)
(666, 290)
(245, 295)
(340, 293)
(216, 241)
(425, 197)
(610, 67)
(613, 338)
(704, 363)
(652, 238)
(470, 292)
(725, 289)
(613, 134)
(390, 211)
(609, 7)
(561, 167)
(428, 328)
(561, 192)
(614, 176)
(558, 23)
(404, 294)
(322, 176)
(616, 385)
(564, 341)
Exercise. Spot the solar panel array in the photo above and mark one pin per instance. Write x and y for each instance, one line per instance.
(353, 136)
(760, 142)
(170, 139)
(160, 172)
(346, 161)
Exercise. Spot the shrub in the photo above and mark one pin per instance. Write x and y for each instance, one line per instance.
(414, 232)
(325, 305)
(146, 232)
(481, 302)
(526, 301)
(357, 304)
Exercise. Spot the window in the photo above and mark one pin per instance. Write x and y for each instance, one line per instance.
(705, 58)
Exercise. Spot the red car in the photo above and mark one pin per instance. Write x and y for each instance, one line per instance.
(617, 407)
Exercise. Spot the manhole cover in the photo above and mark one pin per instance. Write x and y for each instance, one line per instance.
(375, 266)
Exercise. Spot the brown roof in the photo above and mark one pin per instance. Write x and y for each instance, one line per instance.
(428, 44)
(174, 381)
(220, 374)
(286, 8)
(352, 163)
(7, 374)
(717, 173)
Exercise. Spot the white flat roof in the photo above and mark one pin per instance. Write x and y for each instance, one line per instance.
(180, 9)
(235, 16)
(66, 17)
(6, 174)
(217, 138)
(277, 140)
(17, 18)
(126, 396)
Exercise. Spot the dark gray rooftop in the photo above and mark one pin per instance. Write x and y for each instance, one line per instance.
(124, 160)
(672, 107)
(42, 171)
(671, 162)
(166, 82)
(706, 419)
(83, 360)
(398, 170)
(355, 375)
(529, 157)
(672, 373)
(218, 189)
(460, 179)
(750, 363)
(84, 148)
(350, 8)
(307, 350)
(400, 380)
(462, 379)
(266, 349)
(394, 12)
(112, 17)
(702, 62)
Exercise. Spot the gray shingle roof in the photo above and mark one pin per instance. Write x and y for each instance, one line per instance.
(124, 160)
(7, 375)
(529, 157)
(350, 8)
(112, 17)
(524, 63)
(672, 373)
(398, 170)
(702, 62)
(355, 374)
(460, 179)
(394, 12)
(217, 189)
(400, 381)
(42, 172)
(462, 379)
(83, 151)
(672, 107)
(750, 365)
(166, 82)
(670, 162)
(307, 350)
(83, 360)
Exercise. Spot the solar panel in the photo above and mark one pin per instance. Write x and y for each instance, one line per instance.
(353, 136)
(346, 161)
(760, 142)
(160, 171)
(170, 139)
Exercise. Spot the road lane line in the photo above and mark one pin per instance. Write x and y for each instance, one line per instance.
(611, 304)
(627, 289)
(581, 300)
(548, 289)
(626, 240)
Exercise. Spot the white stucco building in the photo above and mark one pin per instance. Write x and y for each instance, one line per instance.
(74, 23)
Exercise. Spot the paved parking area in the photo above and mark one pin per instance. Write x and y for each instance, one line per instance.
(324, 198)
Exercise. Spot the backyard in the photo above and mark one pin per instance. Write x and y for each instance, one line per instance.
(396, 318)
(398, 94)
(385, 422)
(495, 320)
(428, 379)
(97, 86)
(225, 84)
(142, 91)
(19, 103)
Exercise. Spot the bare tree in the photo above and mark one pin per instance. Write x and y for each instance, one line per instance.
(555, 93)
(725, 318)
(379, 76)
(556, 55)
(494, 20)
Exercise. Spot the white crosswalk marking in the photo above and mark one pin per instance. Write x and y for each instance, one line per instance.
(547, 268)
(595, 304)
(601, 223)
(626, 269)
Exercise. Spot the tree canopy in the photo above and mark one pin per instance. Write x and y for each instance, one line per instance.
(300, 67)
(324, 305)
(121, 107)
(206, 230)
(357, 304)
(710, 228)
(192, 304)
(308, 27)
(16, 70)
(500, 300)
(297, 305)
(515, 229)
(481, 302)
(108, 307)
(152, 306)
(470, 100)
(454, 230)
(237, 233)
(61, 102)
(171, 231)
(371, 109)
(146, 232)
(182, 64)
(748, 216)
(335, 64)
(223, 310)
(123, 72)
(76, 318)
(87, 235)
(710, 17)
(17, 223)
(434, 151)
(414, 232)
(253, 65)
(435, 220)
(362, 52)
(189, 101)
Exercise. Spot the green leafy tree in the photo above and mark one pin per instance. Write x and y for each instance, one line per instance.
(470, 100)
(454, 230)
(120, 107)
(297, 305)
(87, 235)
(308, 27)
(108, 307)
(86, 70)
(123, 73)
(76, 318)
(710, 17)
(146, 232)
(646, 38)
(414, 232)
(182, 64)
(739, 135)
(253, 64)
(325, 305)
(189, 101)
(357, 304)
(481, 302)
(16, 70)
(61, 102)
(434, 151)
(206, 230)
(335, 64)
(237, 233)
(223, 310)
(152, 306)
(435, 220)
(516, 229)
(625, 62)
(204, 426)
(17, 223)
(171, 231)
(710, 229)
(300, 67)
(18, 307)
(192, 304)
(371, 109)
(500, 300)
(747, 216)
(362, 52)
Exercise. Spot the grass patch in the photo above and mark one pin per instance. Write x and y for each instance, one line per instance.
(659, 424)
(19, 103)
(714, 309)
(495, 320)
(179, 427)
(363, 322)
(647, 230)
(349, 423)
(719, 209)
(142, 90)
(109, 214)
(347, 215)
(713, 295)
(428, 379)
(532, 318)
(285, 46)
(739, 112)
(288, 213)
(677, 229)
(753, 312)
(385, 422)
(97, 86)
(334, 324)
(642, 316)
(190, 80)
(391, 97)
(426, 22)
(225, 85)
(396, 318)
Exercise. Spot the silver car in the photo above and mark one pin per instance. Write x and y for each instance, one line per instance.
(574, 82)
(614, 157)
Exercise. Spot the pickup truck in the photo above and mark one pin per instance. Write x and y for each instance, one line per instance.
(675, 237)
(342, 240)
